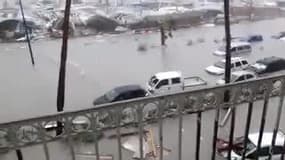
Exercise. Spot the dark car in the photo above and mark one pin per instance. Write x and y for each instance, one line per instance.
(250, 38)
(121, 93)
(254, 38)
(268, 65)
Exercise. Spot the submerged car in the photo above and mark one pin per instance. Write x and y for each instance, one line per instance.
(236, 48)
(237, 63)
(121, 93)
(251, 147)
(238, 76)
(268, 65)
(279, 35)
(252, 38)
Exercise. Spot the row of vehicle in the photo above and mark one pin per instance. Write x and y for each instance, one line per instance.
(162, 82)
(173, 81)
(242, 44)
(242, 70)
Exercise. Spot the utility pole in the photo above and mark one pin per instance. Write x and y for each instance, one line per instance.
(27, 33)
(228, 72)
(62, 69)
(228, 42)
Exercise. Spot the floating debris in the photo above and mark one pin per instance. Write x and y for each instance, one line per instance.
(200, 40)
(216, 41)
(190, 43)
(142, 47)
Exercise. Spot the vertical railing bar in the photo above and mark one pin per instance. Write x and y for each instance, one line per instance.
(232, 129)
(140, 116)
(215, 135)
(282, 155)
(247, 127)
(95, 136)
(46, 151)
(262, 123)
(19, 154)
(160, 131)
(69, 138)
(198, 135)
(118, 130)
(180, 125)
(277, 122)
(42, 134)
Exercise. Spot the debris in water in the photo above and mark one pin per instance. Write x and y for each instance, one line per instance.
(190, 43)
(216, 41)
(200, 40)
(142, 47)
(150, 149)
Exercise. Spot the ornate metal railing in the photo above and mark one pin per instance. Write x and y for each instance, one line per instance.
(141, 112)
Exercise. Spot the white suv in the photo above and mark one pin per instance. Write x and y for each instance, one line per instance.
(237, 63)
(238, 76)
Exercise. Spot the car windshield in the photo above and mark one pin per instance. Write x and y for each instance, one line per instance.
(111, 95)
(239, 142)
(153, 81)
(220, 64)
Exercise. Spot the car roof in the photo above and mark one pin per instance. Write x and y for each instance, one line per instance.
(234, 59)
(237, 44)
(269, 60)
(267, 138)
(166, 75)
(126, 88)
(254, 35)
(243, 72)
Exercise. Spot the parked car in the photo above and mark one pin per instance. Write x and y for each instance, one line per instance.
(121, 93)
(252, 38)
(238, 76)
(165, 82)
(268, 65)
(251, 147)
(220, 19)
(237, 63)
(236, 48)
(249, 38)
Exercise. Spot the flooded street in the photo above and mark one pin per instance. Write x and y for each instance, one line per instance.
(99, 63)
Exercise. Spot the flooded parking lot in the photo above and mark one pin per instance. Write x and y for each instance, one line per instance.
(97, 64)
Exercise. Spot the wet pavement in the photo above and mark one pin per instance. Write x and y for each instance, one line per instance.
(97, 64)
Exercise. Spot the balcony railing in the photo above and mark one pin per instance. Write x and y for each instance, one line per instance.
(147, 121)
